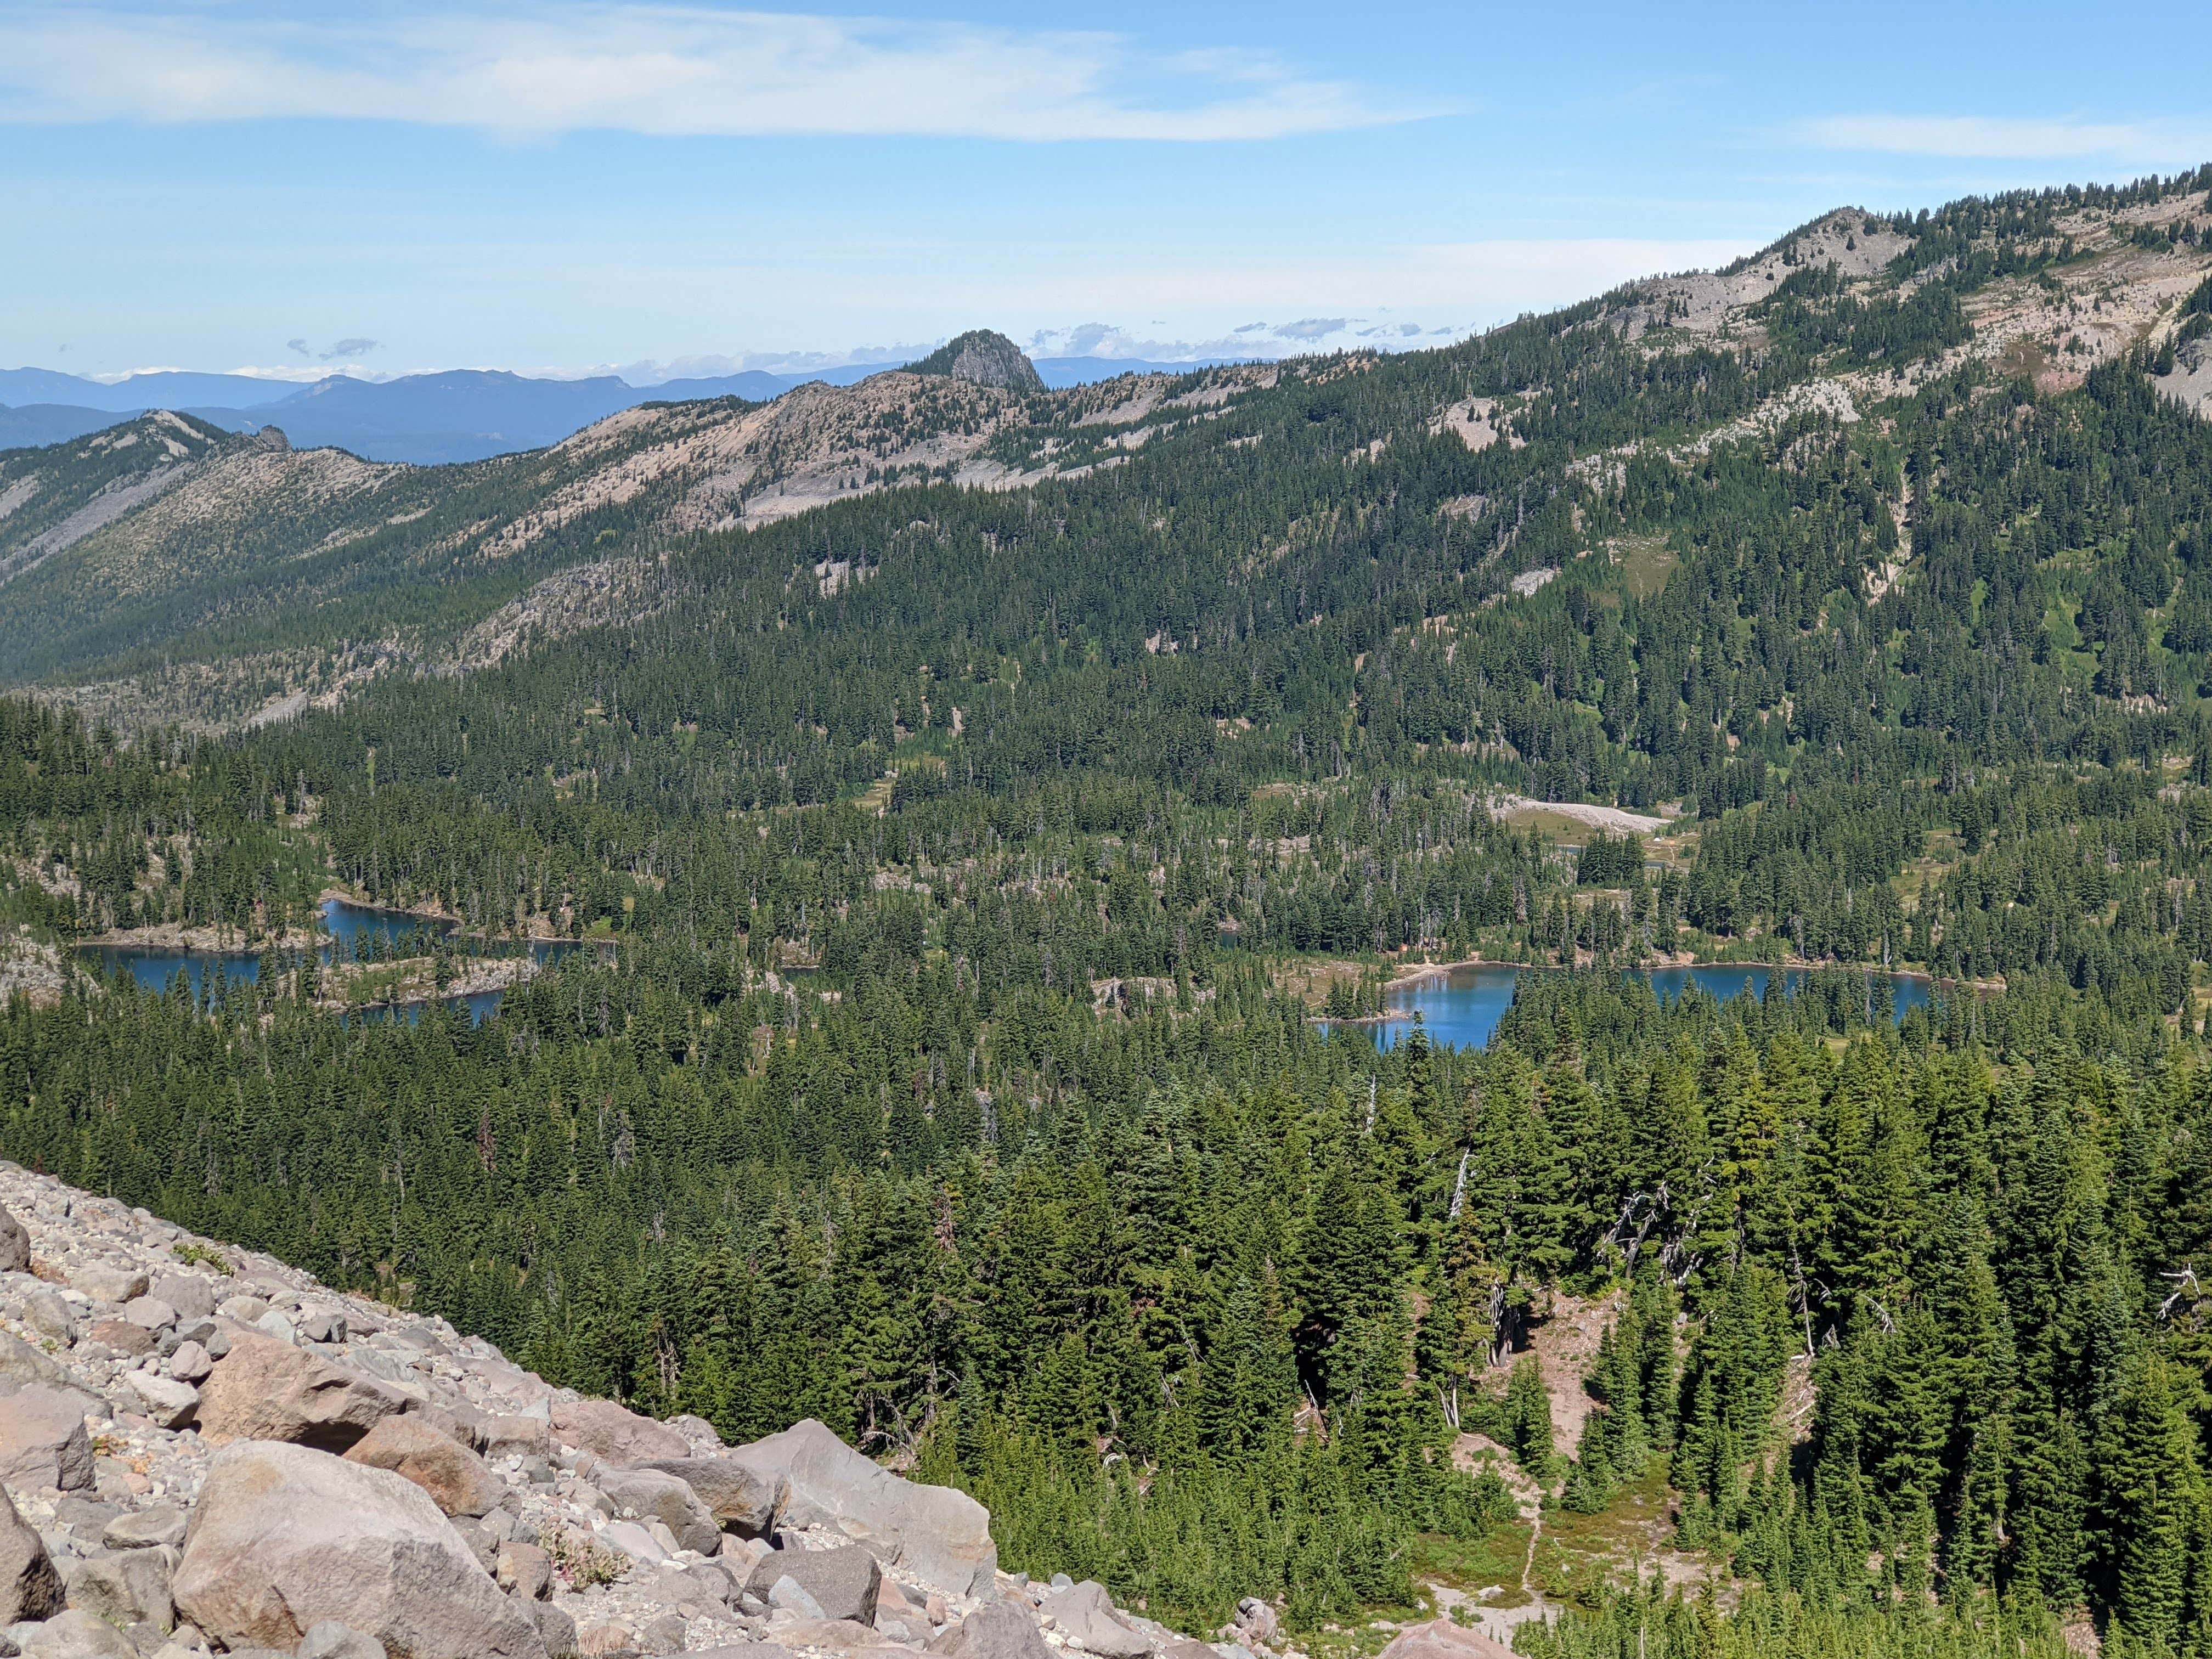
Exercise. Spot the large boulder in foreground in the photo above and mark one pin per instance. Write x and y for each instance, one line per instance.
(614, 1435)
(30, 1586)
(941, 1536)
(285, 1537)
(267, 1389)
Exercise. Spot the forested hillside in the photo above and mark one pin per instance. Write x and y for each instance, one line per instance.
(966, 853)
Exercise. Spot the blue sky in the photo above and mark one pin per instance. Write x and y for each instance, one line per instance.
(560, 186)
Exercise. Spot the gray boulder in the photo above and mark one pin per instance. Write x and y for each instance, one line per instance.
(738, 1494)
(149, 1313)
(189, 1294)
(998, 1631)
(44, 1312)
(941, 1536)
(30, 1586)
(15, 1244)
(43, 1442)
(664, 1498)
(22, 1364)
(285, 1537)
(108, 1284)
(146, 1529)
(77, 1634)
(1086, 1616)
(843, 1583)
(168, 1401)
(789, 1595)
(556, 1630)
(123, 1587)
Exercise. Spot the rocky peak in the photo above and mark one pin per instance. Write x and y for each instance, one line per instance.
(207, 1451)
(982, 356)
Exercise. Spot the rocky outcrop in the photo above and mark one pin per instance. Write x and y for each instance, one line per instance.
(982, 356)
(200, 1440)
(285, 1537)
(941, 1536)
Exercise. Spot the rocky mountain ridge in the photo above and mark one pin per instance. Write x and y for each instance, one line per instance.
(207, 1451)
(168, 530)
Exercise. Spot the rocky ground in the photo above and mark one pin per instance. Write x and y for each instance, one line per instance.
(207, 1451)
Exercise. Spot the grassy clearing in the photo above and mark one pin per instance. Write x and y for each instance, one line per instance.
(1645, 562)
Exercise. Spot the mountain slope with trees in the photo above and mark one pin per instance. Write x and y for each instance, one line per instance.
(955, 856)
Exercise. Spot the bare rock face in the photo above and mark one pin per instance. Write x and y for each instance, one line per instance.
(614, 1435)
(30, 1586)
(737, 1492)
(999, 1630)
(843, 1584)
(15, 1245)
(285, 1537)
(266, 1389)
(455, 1477)
(43, 1442)
(982, 356)
(666, 1498)
(940, 1535)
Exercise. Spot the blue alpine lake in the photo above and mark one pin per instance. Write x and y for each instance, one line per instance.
(350, 932)
(1462, 1005)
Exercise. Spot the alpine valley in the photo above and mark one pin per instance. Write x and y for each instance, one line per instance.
(946, 851)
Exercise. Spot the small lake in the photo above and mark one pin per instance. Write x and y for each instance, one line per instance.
(351, 931)
(1462, 1008)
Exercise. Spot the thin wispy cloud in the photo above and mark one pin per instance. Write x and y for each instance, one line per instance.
(1989, 137)
(670, 70)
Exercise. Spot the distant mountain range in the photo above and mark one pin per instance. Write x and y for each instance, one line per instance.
(460, 415)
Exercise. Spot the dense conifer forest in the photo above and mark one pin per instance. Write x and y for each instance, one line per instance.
(952, 868)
